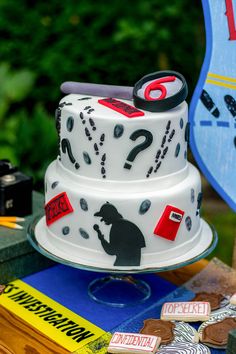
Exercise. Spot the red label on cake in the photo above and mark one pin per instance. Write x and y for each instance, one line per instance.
(121, 107)
(57, 207)
(169, 223)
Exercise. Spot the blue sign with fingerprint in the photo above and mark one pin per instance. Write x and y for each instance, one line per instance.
(213, 105)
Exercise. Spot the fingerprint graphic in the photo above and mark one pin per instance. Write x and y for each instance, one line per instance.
(184, 348)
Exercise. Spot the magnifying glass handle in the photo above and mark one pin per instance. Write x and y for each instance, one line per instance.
(83, 88)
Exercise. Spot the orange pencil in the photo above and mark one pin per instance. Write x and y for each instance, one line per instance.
(10, 225)
(11, 218)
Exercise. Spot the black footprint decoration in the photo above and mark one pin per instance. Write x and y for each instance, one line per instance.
(87, 158)
(83, 204)
(230, 104)
(145, 205)
(209, 104)
(83, 233)
(118, 131)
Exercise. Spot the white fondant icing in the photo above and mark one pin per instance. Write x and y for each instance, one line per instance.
(62, 251)
(127, 201)
(118, 149)
(90, 151)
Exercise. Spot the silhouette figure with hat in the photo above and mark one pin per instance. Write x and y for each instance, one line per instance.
(125, 239)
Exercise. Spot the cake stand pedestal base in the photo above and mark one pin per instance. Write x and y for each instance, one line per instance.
(110, 290)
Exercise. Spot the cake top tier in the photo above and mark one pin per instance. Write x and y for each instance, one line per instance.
(104, 138)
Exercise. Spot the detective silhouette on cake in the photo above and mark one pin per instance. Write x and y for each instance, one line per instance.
(125, 239)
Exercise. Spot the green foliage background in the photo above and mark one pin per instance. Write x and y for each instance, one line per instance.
(44, 43)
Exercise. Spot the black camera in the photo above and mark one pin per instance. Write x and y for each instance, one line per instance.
(15, 191)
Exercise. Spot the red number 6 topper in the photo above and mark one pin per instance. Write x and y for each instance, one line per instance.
(157, 85)
(155, 82)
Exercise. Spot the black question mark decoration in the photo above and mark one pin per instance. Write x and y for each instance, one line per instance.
(66, 147)
(140, 147)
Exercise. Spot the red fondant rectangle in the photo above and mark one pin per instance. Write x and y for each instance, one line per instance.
(121, 107)
(169, 223)
(57, 207)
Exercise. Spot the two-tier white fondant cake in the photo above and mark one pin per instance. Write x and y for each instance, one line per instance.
(121, 195)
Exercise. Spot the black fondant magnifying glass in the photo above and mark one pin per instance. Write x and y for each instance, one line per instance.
(142, 92)
(157, 82)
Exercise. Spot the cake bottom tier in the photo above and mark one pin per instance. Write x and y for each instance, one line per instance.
(119, 227)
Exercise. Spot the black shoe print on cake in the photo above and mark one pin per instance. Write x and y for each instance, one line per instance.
(230, 104)
(209, 104)
(163, 149)
(103, 170)
(125, 239)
